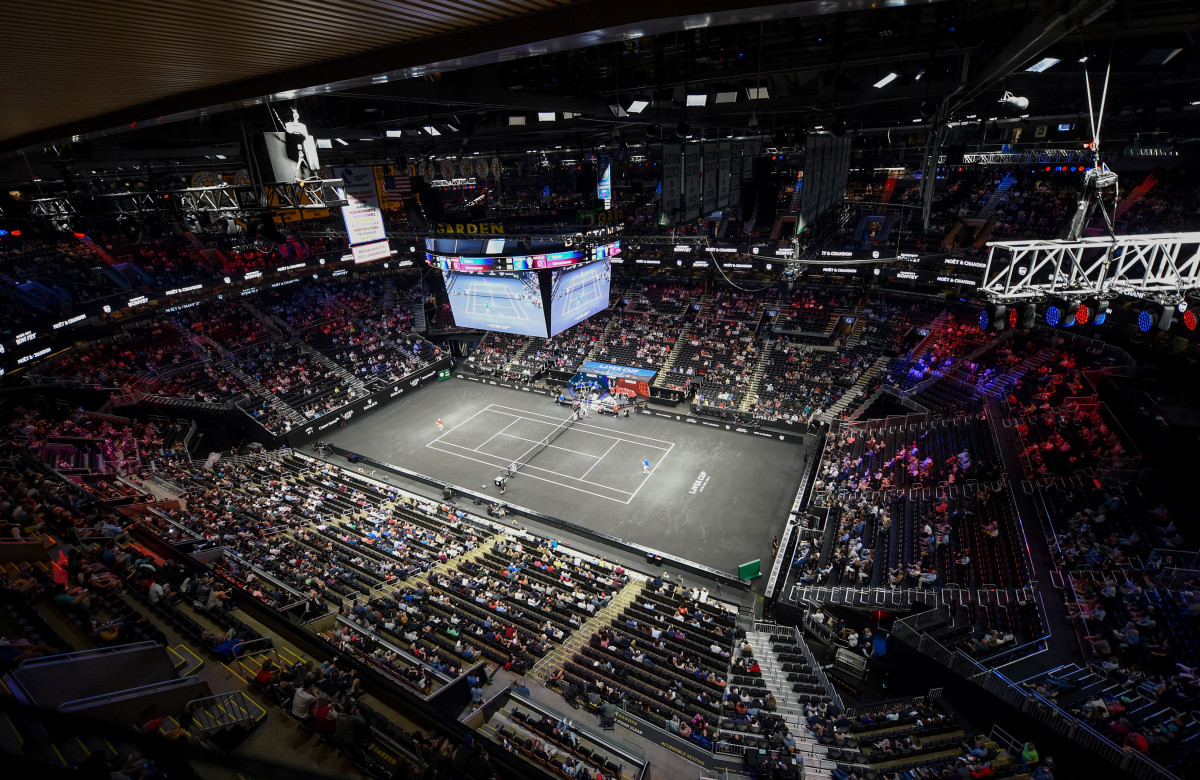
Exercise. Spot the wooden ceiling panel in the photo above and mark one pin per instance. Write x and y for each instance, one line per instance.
(71, 60)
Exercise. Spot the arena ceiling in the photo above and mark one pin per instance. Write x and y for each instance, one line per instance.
(191, 83)
(78, 66)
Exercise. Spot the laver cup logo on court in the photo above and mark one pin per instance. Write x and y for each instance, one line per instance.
(700, 483)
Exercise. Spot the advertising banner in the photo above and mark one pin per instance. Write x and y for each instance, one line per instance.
(609, 369)
(708, 195)
(734, 177)
(604, 189)
(692, 162)
(672, 184)
(723, 174)
(364, 220)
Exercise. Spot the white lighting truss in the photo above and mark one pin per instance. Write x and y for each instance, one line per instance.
(1161, 267)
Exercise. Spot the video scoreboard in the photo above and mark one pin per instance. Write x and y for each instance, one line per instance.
(492, 285)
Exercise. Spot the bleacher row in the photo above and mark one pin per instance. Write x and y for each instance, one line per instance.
(363, 326)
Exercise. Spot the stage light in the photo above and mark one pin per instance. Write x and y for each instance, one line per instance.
(758, 93)
(637, 106)
(1043, 64)
(1013, 317)
(1189, 319)
(1053, 315)
(993, 316)
(1014, 101)
(431, 130)
(342, 142)
(394, 133)
(696, 100)
(1091, 310)
(726, 97)
(546, 116)
(888, 79)
(1145, 321)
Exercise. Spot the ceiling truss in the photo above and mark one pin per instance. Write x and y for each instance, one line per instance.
(1162, 267)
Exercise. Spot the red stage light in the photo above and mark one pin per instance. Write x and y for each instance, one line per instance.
(1189, 319)
(1082, 314)
(1012, 317)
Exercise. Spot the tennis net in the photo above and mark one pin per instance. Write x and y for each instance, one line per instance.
(543, 443)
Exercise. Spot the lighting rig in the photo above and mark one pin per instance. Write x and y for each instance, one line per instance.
(1073, 281)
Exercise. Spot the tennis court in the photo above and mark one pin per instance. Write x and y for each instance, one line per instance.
(712, 496)
(587, 288)
(499, 298)
(580, 456)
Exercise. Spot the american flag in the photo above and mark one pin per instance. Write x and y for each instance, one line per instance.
(397, 187)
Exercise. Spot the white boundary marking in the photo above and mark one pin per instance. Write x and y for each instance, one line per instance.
(539, 441)
(629, 437)
(525, 472)
(611, 447)
(651, 474)
(499, 433)
(633, 439)
(461, 424)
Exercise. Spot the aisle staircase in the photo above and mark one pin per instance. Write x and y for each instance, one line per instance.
(788, 704)
(582, 635)
(998, 386)
(984, 235)
(1135, 197)
(760, 369)
(997, 196)
(889, 189)
(260, 391)
(857, 390)
(224, 713)
(603, 340)
(669, 363)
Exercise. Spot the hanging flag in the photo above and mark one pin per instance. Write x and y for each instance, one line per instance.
(397, 186)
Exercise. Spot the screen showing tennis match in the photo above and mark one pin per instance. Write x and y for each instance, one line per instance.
(579, 293)
(507, 302)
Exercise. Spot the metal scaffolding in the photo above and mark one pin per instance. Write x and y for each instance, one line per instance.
(1162, 267)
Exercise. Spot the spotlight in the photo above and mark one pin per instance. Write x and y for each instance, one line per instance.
(1053, 315)
(993, 317)
(1189, 319)
(1015, 101)
(1091, 310)
(1156, 315)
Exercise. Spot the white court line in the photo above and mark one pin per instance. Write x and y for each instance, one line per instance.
(651, 474)
(539, 468)
(461, 424)
(540, 441)
(600, 435)
(548, 446)
(577, 426)
(602, 457)
(540, 479)
(501, 431)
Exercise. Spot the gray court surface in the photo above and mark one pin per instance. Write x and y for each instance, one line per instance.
(710, 496)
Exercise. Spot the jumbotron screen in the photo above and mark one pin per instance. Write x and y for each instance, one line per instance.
(507, 302)
(578, 293)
